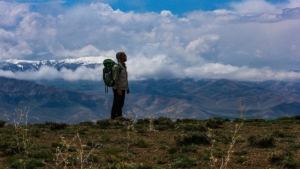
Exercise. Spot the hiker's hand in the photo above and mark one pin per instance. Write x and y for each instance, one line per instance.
(120, 92)
(128, 91)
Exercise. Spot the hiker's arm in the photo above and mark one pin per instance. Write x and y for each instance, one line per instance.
(116, 76)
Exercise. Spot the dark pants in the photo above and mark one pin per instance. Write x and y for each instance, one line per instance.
(116, 110)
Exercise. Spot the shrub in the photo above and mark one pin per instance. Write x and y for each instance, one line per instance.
(57, 126)
(193, 138)
(142, 166)
(2, 123)
(239, 153)
(283, 158)
(191, 127)
(187, 120)
(242, 160)
(261, 142)
(30, 163)
(103, 124)
(190, 148)
(214, 122)
(163, 123)
(172, 150)
(41, 154)
(87, 123)
(142, 144)
(279, 133)
(183, 162)
(143, 121)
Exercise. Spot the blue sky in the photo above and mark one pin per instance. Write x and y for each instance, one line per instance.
(233, 39)
(177, 7)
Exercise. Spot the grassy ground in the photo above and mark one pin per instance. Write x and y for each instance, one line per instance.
(153, 143)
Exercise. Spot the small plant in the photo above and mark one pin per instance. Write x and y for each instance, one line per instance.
(30, 163)
(103, 124)
(2, 123)
(87, 123)
(173, 150)
(57, 126)
(190, 148)
(163, 123)
(214, 122)
(240, 153)
(193, 138)
(142, 166)
(142, 144)
(279, 133)
(242, 160)
(183, 161)
(283, 158)
(261, 141)
(187, 120)
(195, 127)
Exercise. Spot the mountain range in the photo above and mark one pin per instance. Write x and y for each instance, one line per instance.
(173, 98)
(16, 65)
(75, 101)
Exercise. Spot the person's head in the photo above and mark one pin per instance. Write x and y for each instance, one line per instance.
(121, 56)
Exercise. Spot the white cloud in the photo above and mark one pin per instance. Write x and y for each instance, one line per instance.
(253, 36)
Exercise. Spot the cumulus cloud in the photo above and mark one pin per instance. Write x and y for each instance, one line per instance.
(251, 40)
(50, 73)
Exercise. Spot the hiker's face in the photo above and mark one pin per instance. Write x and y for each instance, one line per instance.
(124, 58)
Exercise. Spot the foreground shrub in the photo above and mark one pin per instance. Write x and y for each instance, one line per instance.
(30, 163)
(195, 127)
(283, 158)
(142, 166)
(261, 141)
(86, 123)
(182, 161)
(103, 124)
(187, 120)
(214, 122)
(2, 123)
(193, 138)
(57, 126)
(163, 123)
(143, 121)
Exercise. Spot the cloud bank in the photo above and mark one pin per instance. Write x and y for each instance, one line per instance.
(252, 40)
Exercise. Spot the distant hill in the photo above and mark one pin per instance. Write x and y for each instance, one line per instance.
(175, 98)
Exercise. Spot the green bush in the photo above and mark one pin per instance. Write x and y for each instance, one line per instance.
(30, 163)
(142, 144)
(2, 123)
(143, 121)
(279, 133)
(187, 120)
(103, 124)
(173, 150)
(86, 123)
(261, 141)
(183, 161)
(214, 122)
(190, 148)
(142, 166)
(57, 126)
(283, 158)
(194, 127)
(163, 123)
(193, 138)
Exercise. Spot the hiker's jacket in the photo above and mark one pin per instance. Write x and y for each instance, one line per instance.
(120, 76)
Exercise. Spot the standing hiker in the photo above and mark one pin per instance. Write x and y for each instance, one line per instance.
(120, 77)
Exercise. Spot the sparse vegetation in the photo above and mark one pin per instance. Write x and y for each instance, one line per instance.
(122, 143)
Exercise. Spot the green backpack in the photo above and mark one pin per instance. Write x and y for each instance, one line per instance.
(107, 73)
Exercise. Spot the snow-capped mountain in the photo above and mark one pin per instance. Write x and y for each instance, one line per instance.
(16, 65)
